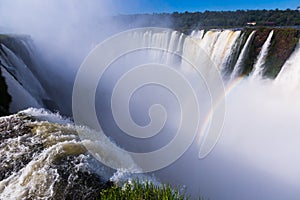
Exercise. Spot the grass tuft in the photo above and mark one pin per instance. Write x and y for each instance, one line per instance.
(137, 190)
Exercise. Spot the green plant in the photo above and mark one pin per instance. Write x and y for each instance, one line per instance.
(141, 191)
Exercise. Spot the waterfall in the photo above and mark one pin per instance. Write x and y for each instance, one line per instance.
(16, 66)
(244, 152)
(40, 149)
(259, 65)
(171, 41)
(241, 57)
(209, 40)
(197, 34)
(289, 76)
(223, 47)
(218, 45)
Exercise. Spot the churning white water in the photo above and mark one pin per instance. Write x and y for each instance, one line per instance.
(29, 155)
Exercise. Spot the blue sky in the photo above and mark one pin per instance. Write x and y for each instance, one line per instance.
(158, 6)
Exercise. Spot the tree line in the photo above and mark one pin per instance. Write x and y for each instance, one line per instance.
(193, 20)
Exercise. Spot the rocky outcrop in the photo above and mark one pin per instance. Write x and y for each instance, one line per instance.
(43, 160)
(283, 44)
(5, 96)
(20, 84)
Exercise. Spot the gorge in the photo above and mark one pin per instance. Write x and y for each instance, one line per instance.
(256, 156)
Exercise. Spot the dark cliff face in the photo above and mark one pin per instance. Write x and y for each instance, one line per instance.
(5, 97)
(23, 48)
(282, 46)
(255, 47)
(283, 43)
(21, 82)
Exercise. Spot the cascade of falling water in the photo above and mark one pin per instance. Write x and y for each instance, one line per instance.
(242, 55)
(197, 34)
(289, 76)
(228, 49)
(209, 40)
(217, 44)
(234, 165)
(218, 53)
(259, 65)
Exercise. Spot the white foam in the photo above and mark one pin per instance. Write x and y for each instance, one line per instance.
(45, 115)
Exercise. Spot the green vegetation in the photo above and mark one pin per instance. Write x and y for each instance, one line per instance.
(138, 190)
(239, 18)
(187, 21)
